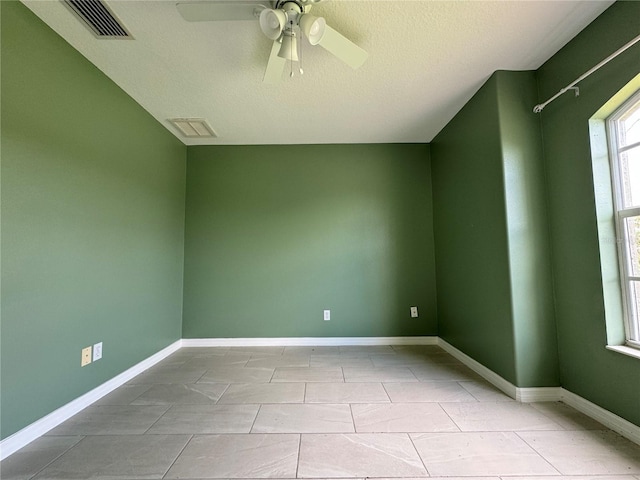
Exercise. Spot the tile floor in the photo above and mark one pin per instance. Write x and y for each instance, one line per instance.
(321, 413)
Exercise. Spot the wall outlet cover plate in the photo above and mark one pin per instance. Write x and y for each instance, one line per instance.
(97, 351)
(86, 357)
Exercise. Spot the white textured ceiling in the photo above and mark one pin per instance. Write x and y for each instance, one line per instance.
(426, 59)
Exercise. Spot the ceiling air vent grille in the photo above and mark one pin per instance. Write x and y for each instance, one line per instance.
(193, 127)
(99, 18)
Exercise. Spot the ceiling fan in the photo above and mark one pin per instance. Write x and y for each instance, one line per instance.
(284, 22)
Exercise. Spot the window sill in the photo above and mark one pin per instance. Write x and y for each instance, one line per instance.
(630, 351)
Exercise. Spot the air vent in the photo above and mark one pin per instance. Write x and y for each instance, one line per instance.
(193, 127)
(99, 18)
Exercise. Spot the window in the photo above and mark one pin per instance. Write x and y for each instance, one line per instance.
(624, 138)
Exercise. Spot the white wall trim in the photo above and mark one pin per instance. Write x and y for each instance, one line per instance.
(38, 428)
(605, 417)
(489, 375)
(623, 349)
(524, 395)
(306, 341)
(548, 394)
(538, 394)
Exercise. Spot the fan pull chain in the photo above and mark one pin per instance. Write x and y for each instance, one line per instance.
(293, 36)
(300, 52)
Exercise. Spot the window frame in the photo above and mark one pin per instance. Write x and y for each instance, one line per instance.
(631, 317)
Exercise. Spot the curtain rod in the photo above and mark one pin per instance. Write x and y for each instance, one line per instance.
(572, 86)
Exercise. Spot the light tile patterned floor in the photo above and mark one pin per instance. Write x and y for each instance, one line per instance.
(321, 413)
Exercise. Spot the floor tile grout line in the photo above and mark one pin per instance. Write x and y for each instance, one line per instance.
(418, 453)
(386, 392)
(450, 418)
(56, 458)
(353, 418)
(562, 428)
(222, 395)
(170, 406)
(459, 382)
(253, 424)
(384, 385)
(299, 449)
(131, 402)
(201, 376)
(536, 450)
(191, 437)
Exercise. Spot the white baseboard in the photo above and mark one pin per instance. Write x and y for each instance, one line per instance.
(548, 394)
(539, 394)
(306, 341)
(605, 417)
(38, 428)
(489, 375)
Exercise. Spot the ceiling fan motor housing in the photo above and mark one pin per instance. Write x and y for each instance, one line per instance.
(292, 10)
(303, 4)
(281, 20)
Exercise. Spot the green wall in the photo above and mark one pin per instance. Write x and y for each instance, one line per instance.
(606, 378)
(492, 252)
(94, 240)
(276, 234)
(472, 260)
(92, 224)
(534, 332)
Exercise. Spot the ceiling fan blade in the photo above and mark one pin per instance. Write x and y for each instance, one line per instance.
(343, 48)
(275, 67)
(221, 10)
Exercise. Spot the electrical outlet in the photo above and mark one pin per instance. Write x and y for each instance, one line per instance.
(327, 315)
(97, 351)
(86, 357)
(414, 312)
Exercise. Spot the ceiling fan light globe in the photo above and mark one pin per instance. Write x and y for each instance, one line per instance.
(289, 48)
(272, 23)
(313, 27)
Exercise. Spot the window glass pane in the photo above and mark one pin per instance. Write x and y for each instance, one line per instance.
(629, 126)
(625, 162)
(634, 311)
(632, 233)
(630, 177)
